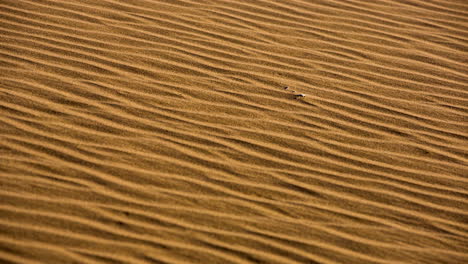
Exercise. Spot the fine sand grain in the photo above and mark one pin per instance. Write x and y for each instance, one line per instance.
(160, 131)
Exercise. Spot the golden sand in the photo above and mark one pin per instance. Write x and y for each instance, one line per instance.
(159, 131)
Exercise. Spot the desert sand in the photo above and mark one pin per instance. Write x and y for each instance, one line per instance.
(161, 131)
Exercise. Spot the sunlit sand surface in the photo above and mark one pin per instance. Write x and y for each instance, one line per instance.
(160, 131)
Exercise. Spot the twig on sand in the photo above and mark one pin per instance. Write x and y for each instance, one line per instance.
(296, 96)
(299, 96)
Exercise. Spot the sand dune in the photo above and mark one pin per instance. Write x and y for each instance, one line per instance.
(159, 131)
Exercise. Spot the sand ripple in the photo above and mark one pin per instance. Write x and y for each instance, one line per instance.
(159, 131)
